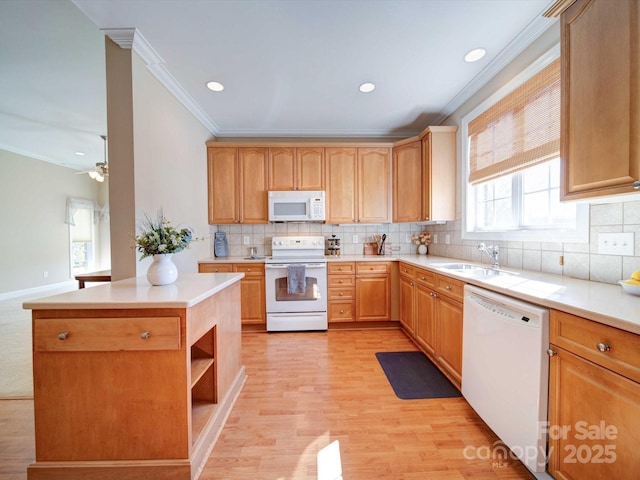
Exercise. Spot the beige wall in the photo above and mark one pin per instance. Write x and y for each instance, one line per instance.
(35, 237)
(170, 164)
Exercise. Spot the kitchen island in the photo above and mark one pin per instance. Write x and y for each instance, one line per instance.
(134, 381)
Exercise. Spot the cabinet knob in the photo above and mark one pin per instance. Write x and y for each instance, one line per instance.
(447, 287)
(341, 294)
(248, 269)
(423, 277)
(63, 335)
(339, 281)
(603, 347)
(636, 185)
(145, 335)
(340, 268)
(370, 268)
(341, 311)
(411, 284)
(551, 353)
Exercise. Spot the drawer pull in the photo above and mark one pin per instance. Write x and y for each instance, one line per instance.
(341, 311)
(145, 335)
(603, 347)
(63, 335)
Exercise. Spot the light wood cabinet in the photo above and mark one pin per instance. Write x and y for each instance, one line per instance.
(237, 184)
(106, 380)
(408, 181)
(431, 314)
(373, 291)
(594, 400)
(358, 184)
(296, 168)
(599, 151)
(439, 173)
(252, 288)
(341, 280)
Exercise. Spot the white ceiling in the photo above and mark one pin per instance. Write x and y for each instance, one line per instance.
(290, 67)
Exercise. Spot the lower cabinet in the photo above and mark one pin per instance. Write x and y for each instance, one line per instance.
(341, 281)
(594, 400)
(431, 314)
(252, 288)
(373, 291)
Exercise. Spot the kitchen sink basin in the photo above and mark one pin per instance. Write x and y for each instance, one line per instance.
(471, 270)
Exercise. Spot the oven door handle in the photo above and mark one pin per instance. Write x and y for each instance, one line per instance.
(274, 266)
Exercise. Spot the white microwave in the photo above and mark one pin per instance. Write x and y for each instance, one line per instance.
(296, 206)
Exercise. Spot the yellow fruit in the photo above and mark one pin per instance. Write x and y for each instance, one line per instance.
(632, 281)
(636, 275)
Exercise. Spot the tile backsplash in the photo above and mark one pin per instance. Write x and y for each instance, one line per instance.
(579, 260)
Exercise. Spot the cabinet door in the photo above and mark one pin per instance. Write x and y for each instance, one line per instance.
(223, 182)
(254, 186)
(309, 168)
(407, 317)
(584, 397)
(439, 170)
(407, 182)
(449, 337)
(600, 103)
(282, 172)
(341, 185)
(374, 185)
(373, 300)
(252, 297)
(425, 317)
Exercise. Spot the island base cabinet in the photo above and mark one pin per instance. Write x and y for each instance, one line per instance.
(594, 421)
(108, 405)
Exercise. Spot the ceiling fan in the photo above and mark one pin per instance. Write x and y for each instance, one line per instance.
(101, 169)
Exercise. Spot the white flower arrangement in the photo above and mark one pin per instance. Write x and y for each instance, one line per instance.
(159, 237)
(422, 238)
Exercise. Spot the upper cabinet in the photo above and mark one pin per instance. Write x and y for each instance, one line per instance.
(424, 176)
(296, 168)
(358, 184)
(439, 173)
(237, 184)
(600, 151)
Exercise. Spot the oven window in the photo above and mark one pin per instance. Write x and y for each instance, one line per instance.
(312, 292)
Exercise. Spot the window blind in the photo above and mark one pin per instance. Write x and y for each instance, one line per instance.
(519, 131)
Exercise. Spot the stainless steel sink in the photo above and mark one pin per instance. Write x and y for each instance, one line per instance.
(471, 270)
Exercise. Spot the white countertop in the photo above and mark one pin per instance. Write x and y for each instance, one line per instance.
(602, 302)
(188, 290)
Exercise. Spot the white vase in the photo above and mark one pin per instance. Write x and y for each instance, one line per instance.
(422, 249)
(162, 271)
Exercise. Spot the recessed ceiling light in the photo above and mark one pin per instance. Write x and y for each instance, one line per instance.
(80, 154)
(215, 86)
(367, 87)
(475, 55)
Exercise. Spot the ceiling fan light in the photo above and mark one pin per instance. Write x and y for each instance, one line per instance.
(99, 178)
(93, 174)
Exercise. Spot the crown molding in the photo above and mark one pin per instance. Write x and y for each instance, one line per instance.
(315, 133)
(525, 38)
(131, 38)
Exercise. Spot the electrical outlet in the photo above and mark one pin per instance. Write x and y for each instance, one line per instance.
(407, 238)
(447, 239)
(616, 243)
(355, 239)
(246, 240)
(45, 274)
(435, 238)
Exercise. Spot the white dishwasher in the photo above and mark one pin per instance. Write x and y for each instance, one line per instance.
(505, 371)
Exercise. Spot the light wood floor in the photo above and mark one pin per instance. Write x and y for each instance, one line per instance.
(305, 390)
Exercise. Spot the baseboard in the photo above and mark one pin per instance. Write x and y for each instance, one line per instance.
(41, 289)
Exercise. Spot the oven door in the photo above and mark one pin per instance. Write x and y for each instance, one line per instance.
(314, 297)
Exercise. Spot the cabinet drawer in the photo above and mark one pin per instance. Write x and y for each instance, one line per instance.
(425, 277)
(407, 270)
(215, 268)
(587, 338)
(249, 268)
(106, 334)
(365, 268)
(341, 281)
(341, 311)
(449, 287)
(341, 267)
(342, 293)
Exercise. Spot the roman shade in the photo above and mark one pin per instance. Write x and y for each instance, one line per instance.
(519, 131)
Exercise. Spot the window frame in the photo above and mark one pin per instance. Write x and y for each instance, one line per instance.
(578, 235)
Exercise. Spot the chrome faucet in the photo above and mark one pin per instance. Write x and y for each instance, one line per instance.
(492, 251)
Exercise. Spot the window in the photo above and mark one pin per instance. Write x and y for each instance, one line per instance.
(512, 163)
(82, 241)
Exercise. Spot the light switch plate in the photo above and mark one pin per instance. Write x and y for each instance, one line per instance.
(616, 243)
(246, 240)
